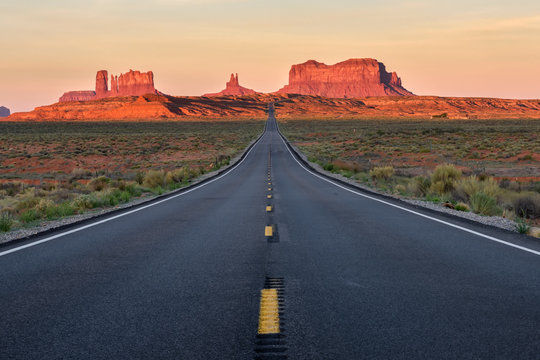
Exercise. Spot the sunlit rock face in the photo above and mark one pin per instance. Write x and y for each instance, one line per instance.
(232, 87)
(132, 83)
(348, 79)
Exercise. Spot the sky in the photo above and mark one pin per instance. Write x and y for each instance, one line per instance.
(485, 48)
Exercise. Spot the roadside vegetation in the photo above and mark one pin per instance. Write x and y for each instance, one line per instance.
(52, 170)
(489, 167)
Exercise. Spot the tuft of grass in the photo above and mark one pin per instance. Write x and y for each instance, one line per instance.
(484, 204)
(522, 227)
(461, 207)
(443, 178)
(419, 186)
(381, 172)
(465, 188)
(29, 216)
(6, 222)
(154, 179)
(99, 183)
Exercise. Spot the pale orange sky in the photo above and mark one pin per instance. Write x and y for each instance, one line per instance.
(459, 48)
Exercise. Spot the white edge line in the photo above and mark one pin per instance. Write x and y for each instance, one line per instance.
(18, 248)
(412, 211)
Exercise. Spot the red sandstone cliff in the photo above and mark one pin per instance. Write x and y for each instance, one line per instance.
(132, 83)
(348, 79)
(233, 88)
(84, 95)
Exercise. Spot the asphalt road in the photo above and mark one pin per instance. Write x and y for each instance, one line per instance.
(358, 279)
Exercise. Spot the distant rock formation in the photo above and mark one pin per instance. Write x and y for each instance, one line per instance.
(84, 95)
(233, 88)
(132, 83)
(288, 106)
(348, 79)
(4, 111)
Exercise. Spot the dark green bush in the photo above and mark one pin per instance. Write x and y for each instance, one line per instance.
(6, 221)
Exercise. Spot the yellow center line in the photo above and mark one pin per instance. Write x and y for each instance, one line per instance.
(269, 196)
(269, 312)
(269, 208)
(268, 231)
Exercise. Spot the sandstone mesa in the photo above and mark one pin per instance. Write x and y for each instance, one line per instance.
(132, 83)
(356, 88)
(232, 87)
(348, 79)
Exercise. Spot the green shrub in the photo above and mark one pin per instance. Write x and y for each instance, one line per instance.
(139, 177)
(467, 187)
(328, 167)
(27, 202)
(42, 206)
(111, 197)
(400, 189)
(59, 211)
(154, 178)
(443, 178)
(522, 227)
(381, 172)
(419, 186)
(85, 202)
(29, 216)
(99, 183)
(176, 176)
(125, 196)
(461, 207)
(6, 221)
(484, 204)
(133, 190)
(526, 204)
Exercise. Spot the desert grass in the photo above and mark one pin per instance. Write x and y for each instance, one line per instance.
(490, 167)
(53, 170)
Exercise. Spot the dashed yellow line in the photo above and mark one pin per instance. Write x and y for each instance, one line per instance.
(269, 196)
(269, 189)
(269, 312)
(269, 208)
(268, 231)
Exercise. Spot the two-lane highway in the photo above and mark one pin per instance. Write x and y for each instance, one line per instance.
(343, 276)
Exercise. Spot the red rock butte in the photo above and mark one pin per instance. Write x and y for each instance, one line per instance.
(353, 78)
(232, 87)
(132, 83)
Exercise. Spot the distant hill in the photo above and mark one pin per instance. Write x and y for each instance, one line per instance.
(4, 111)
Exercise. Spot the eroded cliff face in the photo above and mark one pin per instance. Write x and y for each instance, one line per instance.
(84, 95)
(348, 79)
(132, 83)
(232, 87)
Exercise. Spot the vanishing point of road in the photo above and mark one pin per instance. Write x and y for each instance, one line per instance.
(272, 261)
